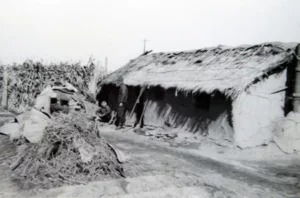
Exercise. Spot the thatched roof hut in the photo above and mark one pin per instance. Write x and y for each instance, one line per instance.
(228, 71)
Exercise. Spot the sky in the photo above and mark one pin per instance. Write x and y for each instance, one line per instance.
(74, 30)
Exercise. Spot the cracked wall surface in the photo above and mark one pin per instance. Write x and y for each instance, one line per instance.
(256, 111)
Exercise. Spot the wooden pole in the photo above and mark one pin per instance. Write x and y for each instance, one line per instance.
(4, 90)
(296, 102)
(137, 100)
(145, 41)
(140, 122)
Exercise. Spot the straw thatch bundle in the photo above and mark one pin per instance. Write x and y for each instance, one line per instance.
(227, 69)
(70, 152)
(27, 80)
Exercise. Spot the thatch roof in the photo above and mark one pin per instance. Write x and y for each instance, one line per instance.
(227, 69)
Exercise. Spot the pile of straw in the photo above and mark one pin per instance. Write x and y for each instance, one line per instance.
(58, 160)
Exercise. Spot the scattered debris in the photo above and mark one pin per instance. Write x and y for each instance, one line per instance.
(120, 155)
(156, 132)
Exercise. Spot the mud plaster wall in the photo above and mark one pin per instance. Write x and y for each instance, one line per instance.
(186, 111)
(256, 111)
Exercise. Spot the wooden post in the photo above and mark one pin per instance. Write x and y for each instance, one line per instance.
(137, 100)
(4, 90)
(297, 83)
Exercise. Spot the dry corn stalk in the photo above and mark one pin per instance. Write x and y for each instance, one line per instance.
(27, 80)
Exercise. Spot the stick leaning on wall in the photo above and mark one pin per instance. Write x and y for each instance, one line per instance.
(137, 100)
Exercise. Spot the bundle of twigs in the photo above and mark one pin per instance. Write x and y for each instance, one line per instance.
(27, 80)
(57, 159)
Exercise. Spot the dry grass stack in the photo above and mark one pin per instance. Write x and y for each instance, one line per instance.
(27, 80)
(59, 158)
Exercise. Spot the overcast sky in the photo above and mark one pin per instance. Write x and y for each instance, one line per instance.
(63, 30)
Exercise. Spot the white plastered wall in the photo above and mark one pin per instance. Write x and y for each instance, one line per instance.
(256, 111)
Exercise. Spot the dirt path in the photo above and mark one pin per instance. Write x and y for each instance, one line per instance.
(150, 157)
(156, 169)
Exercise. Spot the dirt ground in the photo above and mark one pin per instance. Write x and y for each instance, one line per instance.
(235, 179)
(156, 169)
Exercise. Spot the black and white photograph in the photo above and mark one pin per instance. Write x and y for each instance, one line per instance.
(150, 98)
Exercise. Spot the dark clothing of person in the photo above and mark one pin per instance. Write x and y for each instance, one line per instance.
(105, 119)
(121, 115)
(121, 111)
(104, 113)
(123, 94)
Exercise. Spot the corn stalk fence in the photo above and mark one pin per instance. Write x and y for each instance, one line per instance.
(21, 83)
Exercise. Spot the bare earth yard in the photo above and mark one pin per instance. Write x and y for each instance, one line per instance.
(155, 169)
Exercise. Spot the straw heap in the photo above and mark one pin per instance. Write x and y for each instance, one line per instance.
(58, 159)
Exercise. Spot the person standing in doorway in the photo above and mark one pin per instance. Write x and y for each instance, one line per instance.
(122, 103)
